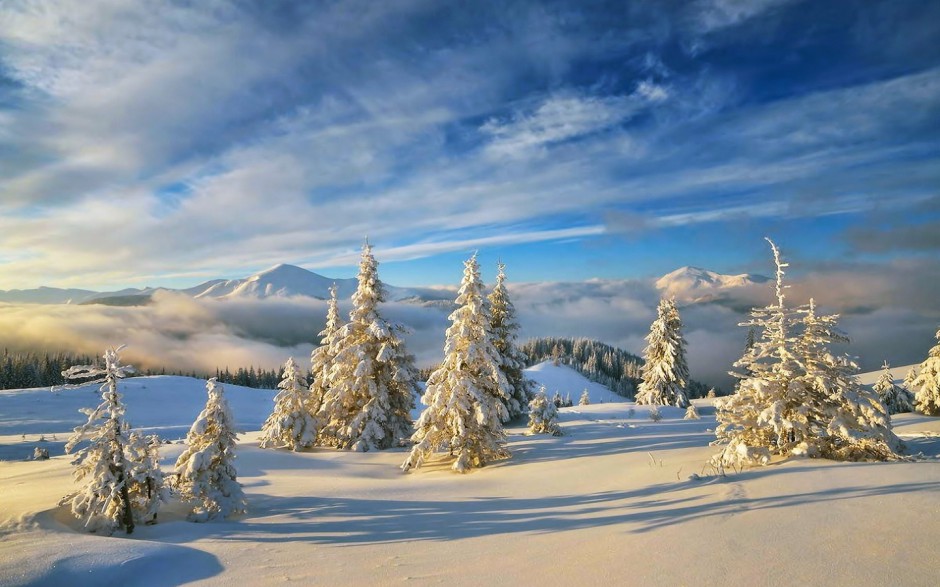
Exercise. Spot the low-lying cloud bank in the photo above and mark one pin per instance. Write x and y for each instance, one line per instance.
(182, 333)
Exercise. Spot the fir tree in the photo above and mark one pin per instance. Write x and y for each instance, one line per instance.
(927, 383)
(102, 467)
(794, 397)
(558, 400)
(909, 380)
(691, 413)
(292, 423)
(585, 399)
(206, 474)
(465, 395)
(322, 357)
(505, 327)
(897, 399)
(372, 383)
(665, 371)
(543, 415)
(147, 489)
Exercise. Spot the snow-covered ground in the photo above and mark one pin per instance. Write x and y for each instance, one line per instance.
(614, 501)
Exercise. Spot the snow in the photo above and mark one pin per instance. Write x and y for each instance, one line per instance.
(693, 284)
(618, 499)
(566, 380)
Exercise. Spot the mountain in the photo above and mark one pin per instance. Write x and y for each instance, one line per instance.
(279, 281)
(693, 285)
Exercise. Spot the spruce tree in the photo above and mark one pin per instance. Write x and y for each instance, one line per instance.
(543, 415)
(322, 357)
(103, 503)
(206, 473)
(691, 413)
(465, 395)
(147, 488)
(513, 360)
(372, 383)
(585, 399)
(665, 371)
(897, 399)
(927, 383)
(292, 423)
(795, 397)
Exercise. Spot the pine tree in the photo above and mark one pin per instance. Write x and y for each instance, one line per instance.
(558, 400)
(585, 399)
(794, 397)
(372, 383)
(927, 383)
(712, 393)
(909, 380)
(292, 424)
(505, 327)
(897, 399)
(103, 502)
(147, 488)
(323, 356)
(691, 413)
(206, 474)
(543, 415)
(465, 395)
(665, 371)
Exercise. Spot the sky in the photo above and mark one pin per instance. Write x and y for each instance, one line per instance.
(166, 143)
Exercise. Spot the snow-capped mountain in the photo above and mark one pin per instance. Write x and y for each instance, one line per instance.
(279, 281)
(693, 284)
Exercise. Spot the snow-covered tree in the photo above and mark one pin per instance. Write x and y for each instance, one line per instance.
(585, 399)
(795, 397)
(691, 413)
(292, 424)
(543, 415)
(322, 357)
(927, 383)
(558, 400)
(103, 502)
(711, 393)
(909, 380)
(147, 488)
(372, 383)
(206, 474)
(897, 399)
(513, 360)
(465, 396)
(665, 371)
(654, 413)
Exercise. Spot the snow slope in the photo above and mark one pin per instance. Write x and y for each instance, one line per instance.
(614, 501)
(566, 380)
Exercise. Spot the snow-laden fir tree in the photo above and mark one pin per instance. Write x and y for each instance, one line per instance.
(909, 380)
(372, 383)
(543, 415)
(691, 413)
(147, 488)
(665, 371)
(927, 383)
(585, 399)
(558, 400)
(795, 397)
(206, 473)
(103, 502)
(465, 395)
(711, 393)
(292, 424)
(897, 399)
(322, 357)
(513, 360)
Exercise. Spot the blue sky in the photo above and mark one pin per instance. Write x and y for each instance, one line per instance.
(171, 142)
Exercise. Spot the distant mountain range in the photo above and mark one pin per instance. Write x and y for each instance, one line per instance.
(687, 284)
(279, 281)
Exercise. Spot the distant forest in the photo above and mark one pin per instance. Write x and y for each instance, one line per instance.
(24, 369)
(610, 366)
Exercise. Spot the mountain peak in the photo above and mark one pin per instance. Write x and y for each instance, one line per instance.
(693, 284)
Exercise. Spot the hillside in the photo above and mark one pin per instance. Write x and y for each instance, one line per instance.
(600, 500)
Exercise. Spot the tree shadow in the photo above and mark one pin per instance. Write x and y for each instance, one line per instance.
(352, 521)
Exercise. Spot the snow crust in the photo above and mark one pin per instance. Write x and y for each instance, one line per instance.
(590, 507)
